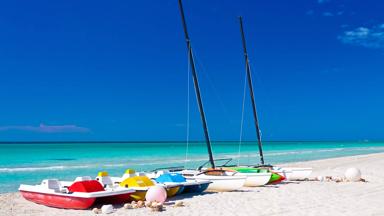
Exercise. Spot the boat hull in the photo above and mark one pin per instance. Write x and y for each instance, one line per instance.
(138, 195)
(117, 199)
(222, 183)
(255, 179)
(255, 176)
(58, 201)
(296, 173)
(172, 191)
(181, 190)
(276, 178)
(198, 188)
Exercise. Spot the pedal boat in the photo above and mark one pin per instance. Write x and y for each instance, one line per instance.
(140, 183)
(188, 186)
(80, 194)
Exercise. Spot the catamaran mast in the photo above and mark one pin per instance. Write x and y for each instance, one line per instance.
(196, 85)
(249, 78)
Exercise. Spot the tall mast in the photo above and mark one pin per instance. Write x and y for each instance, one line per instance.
(196, 85)
(249, 78)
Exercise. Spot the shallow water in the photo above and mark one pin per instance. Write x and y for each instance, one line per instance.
(29, 163)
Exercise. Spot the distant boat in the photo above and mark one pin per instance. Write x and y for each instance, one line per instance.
(80, 194)
(222, 180)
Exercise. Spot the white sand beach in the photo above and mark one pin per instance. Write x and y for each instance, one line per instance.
(289, 198)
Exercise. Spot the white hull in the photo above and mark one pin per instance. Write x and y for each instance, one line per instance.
(221, 183)
(255, 179)
(296, 173)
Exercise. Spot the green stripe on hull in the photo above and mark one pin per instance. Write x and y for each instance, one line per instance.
(274, 177)
(248, 170)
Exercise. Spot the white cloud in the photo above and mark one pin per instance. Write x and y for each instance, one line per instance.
(42, 128)
(372, 37)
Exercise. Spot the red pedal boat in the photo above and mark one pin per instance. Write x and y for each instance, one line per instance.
(80, 194)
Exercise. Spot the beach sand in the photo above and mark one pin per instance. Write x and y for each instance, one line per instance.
(289, 198)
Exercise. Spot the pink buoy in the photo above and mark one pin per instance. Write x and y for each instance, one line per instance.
(156, 194)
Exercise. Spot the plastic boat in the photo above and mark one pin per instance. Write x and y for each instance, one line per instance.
(294, 173)
(290, 173)
(257, 176)
(139, 182)
(80, 194)
(222, 180)
(287, 173)
(254, 177)
(188, 186)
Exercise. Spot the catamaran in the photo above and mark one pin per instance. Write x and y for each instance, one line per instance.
(254, 177)
(290, 173)
(222, 180)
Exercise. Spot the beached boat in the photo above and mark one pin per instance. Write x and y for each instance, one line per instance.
(139, 182)
(258, 177)
(294, 173)
(80, 194)
(289, 173)
(221, 180)
(188, 185)
(254, 176)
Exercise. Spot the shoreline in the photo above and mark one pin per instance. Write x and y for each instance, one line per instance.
(288, 198)
(27, 175)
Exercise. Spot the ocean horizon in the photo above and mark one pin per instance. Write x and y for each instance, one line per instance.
(30, 162)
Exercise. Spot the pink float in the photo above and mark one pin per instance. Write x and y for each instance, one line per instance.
(156, 194)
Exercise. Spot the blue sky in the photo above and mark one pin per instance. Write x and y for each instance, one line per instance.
(97, 70)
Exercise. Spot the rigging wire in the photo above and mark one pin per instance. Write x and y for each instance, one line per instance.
(206, 75)
(242, 120)
(263, 91)
(188, 111)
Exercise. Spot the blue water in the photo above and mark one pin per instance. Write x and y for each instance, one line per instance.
(29, 163)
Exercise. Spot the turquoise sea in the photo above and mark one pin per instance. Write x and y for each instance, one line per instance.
(31, 162)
